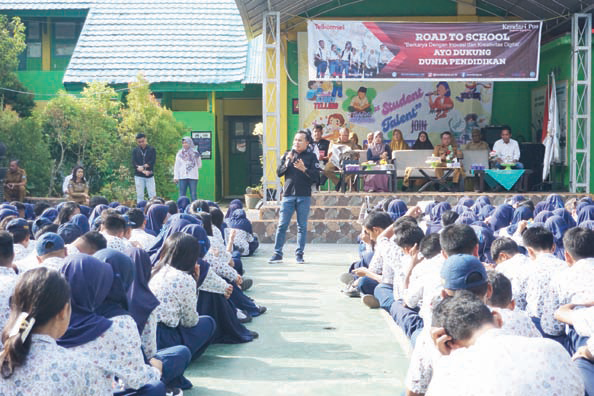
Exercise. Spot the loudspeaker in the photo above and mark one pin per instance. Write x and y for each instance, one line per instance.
(491, 134)
(532, 157)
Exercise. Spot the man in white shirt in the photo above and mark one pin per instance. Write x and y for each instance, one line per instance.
(321, 59)
(90, 243)
(372, 62)
(481, 359)
(507, 150)
(514, 265)
(65, 183)
(137, 222)
(385, 56)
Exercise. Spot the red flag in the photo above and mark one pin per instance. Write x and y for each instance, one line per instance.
(545, 121)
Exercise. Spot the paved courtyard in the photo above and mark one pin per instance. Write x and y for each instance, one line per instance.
(313, 340)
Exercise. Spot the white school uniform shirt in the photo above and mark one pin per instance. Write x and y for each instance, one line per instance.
(507, 151)
(322, 53)
(517, 323)
(117, 243)
(176, 292)
(55, 263)
(118, 353)
(538, 284)
(145, 239)
(8, 280)
(50, 369)
(21, 252)
(499, 364)
(213, 283)
(583, 323)
(218, 258)
(571, 286)
(372, 60)
(390, 253)
(72, 250)
(385, 56)
(332, 55)
(242, 240)
(427, 284)
(28, 263)
(425, 355)
(149, 336)
(181, 172)
(516, 270)
(65, 183)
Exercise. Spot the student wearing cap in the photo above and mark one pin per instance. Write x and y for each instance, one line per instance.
(51, 251)
(143, 161)
(484, 360)
(137, 222)
(23, 246)
(8, 275)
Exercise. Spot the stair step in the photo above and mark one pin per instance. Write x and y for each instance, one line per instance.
(271, 212)
(318, 231)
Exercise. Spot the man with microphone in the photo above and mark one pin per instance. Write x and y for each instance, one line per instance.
(301, 169)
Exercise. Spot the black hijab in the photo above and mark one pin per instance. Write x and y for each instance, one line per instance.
(426, 145)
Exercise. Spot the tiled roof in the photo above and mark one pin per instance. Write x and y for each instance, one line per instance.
(253, 74)
(186, 41)
(44, 5)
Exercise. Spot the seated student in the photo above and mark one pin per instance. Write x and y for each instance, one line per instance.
(572, 285)
(113, 228)
(138, 234)
(421, 285)
(219, 234)
(542, 267)
(409, 239)
(156, 216)
(66, 212)
(484, 360)
(69, 232)
(582, 320)
(245, 241)
(368, 278)
(31, 362)
(501, 300)
(51, 251)
(116, 308)
(8, 275)
(214, 294)
(89, 243)
(514, 265)
(173, 282)
(100, 339)
(23, 244)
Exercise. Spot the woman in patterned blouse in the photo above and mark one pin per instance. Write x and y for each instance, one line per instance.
(31, 362)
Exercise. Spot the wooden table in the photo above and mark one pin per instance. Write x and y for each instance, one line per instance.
(393, 181)
(431, 181)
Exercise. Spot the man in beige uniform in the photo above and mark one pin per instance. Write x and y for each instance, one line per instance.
(15, 182)
(336, 147)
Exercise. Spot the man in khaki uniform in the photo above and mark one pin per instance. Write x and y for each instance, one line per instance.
(476, 143)
(448, 150)
(332, 165)
(15, 182)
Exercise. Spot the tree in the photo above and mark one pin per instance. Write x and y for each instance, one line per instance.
(12, 43)
(144, 114)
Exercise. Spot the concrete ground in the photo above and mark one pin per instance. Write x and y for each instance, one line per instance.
(313, 339)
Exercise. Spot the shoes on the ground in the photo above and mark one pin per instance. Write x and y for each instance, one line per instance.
(370, 301)
(276, 258)
(262, 309)
(347, 278)
(174, 392)
(351, 291)
(299, 258)
(246, 284)
(254, 334)
(243, 316)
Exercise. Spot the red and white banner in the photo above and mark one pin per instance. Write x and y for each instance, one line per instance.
(378, 51)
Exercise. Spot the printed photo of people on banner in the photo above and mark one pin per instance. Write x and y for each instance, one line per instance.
(414, 108)
(419, 51)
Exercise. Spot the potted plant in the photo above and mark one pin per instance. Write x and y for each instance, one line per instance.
(252, 196)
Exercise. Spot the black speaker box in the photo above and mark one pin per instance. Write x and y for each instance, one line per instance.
(532, 156)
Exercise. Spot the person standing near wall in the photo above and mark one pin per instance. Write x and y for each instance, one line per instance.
(15, 182)
(301, 169)
(185, 172)
(143, 160)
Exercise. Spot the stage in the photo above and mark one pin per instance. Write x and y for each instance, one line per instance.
(333, 216)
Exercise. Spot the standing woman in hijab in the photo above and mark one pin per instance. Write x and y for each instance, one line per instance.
(187, 163)
(422, 142)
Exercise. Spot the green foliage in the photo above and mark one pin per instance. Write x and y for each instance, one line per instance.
(12, 43)
(144, 114)
(25, 142)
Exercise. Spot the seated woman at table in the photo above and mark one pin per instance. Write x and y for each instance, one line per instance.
(397, 143)
(422, 142)
(448, 151)
(377, 151)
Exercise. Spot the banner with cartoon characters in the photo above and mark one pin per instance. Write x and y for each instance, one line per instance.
(408, 106)
(486, 51)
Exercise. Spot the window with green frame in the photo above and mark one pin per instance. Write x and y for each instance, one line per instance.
(30, 58)
(65, 35)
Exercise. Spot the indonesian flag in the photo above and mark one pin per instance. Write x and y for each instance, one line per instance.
(551, 122)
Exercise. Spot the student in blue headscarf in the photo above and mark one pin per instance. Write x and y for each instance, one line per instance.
(501, 217)
(117, 304)
(558, 227)
(96, 213)
(567, 217)
(102, 339)
(174, 282)
(513, 231)
(586, 213)
(155, 218)
(485, 237)
(466, 201)
(543, 216)
(434, 224)
(486, 211)
(233, 205)
(539, 207)
(182, 203)
(396, 209)
(466, 217)
(553, 201)
(81, 221)
(245, 241)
